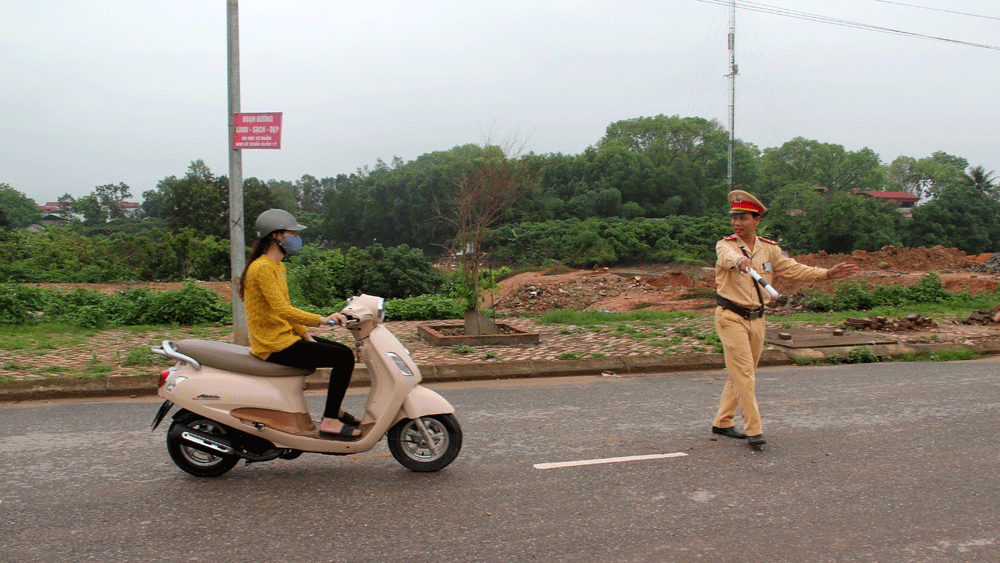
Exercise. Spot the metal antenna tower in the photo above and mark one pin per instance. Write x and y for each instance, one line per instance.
(733, 71)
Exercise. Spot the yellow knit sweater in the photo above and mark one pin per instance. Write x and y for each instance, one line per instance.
(271, 320)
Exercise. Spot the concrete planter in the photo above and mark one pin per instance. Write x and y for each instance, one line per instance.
(434, 334)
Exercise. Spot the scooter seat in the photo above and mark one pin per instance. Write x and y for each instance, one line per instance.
(233, 357)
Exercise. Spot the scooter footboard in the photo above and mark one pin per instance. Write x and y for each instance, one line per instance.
(421, 401)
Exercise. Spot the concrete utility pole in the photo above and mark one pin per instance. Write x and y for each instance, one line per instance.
(733, 71)
(237, 258)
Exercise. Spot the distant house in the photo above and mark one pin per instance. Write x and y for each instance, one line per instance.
(905, 200)
(129, 208)
(51, 219)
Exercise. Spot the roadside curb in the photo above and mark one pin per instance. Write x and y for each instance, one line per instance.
(135, 386)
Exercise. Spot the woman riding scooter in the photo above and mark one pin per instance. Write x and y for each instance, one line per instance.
(278, 332)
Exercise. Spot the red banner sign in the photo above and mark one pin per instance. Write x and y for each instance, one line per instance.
(257, 131)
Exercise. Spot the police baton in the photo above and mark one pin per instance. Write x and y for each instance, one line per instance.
(753, 274)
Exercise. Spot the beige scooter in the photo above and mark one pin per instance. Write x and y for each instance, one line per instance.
(235, 406)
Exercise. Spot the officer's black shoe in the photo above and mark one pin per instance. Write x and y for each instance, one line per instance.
(730, 432)
(756, 441)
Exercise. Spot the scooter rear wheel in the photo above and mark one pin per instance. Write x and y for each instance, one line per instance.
(432, 451)
(194, 461)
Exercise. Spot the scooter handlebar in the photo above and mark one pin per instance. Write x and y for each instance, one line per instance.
(332, 322)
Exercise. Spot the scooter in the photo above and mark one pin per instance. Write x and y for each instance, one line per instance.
(236, 406)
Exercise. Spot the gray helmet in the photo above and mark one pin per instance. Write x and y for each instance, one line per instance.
(276, 220)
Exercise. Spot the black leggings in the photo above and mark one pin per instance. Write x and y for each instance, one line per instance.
(322, 354)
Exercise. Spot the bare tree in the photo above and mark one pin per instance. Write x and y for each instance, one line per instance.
(485, 190)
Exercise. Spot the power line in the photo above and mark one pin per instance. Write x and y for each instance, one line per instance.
(764, 8)
(938, 10)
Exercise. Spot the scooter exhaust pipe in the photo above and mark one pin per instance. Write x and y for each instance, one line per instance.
(207, 443)
(214, 444)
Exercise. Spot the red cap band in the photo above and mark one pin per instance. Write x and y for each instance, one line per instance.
(747, 206)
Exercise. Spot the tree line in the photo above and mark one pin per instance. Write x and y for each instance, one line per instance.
(652, 188)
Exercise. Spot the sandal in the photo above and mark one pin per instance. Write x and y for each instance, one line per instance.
(348, 418)
(345, 434)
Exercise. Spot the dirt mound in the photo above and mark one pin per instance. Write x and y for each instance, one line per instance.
(677, 278)
(902, 259)
(669, 289)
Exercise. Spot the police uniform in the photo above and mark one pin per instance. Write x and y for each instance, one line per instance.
(739, 316)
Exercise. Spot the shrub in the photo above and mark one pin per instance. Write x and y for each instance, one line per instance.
(91, 316)
(18, 302)
(423, 307)
(855, 295)
(192, 304)
(861, 355)
(316, 278)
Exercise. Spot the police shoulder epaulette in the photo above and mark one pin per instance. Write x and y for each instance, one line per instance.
(730, 237)
(768, 240)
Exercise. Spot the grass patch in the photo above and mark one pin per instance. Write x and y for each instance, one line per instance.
(942, 356)
(585, 318)
(136, 356)
(96, 369)
(54, 369)
(570, 356)
(46, 336)
(863, 354)
(700, 293)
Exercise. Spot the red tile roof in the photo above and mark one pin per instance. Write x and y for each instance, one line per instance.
(894, 196)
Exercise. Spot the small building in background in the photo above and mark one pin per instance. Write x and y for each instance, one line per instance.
(905, 200)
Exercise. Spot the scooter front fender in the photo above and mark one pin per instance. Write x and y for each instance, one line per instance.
(421, 401)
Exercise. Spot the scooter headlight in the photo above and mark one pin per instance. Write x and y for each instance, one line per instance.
(400, 363)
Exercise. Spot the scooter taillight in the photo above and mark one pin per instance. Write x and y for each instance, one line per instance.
(163, 378)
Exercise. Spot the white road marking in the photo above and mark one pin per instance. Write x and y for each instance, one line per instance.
(579, 463)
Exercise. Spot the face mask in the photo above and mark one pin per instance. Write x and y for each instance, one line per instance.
(291, 245)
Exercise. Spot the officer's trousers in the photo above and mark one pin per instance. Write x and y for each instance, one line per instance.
(743, 343)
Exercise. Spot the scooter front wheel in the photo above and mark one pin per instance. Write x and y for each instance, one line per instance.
(428, 443)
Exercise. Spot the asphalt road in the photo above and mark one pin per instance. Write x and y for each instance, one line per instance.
(884, 462)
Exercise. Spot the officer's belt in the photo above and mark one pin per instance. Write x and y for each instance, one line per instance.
(748, 314)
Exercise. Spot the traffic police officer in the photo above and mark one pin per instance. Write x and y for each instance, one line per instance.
(739, 316)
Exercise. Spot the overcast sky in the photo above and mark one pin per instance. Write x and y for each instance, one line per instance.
(100, 91)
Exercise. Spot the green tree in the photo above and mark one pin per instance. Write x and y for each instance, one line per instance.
(310, 192)
(199, 200)
(665, 139)
(807, 221)
(684, 166)
(962, 216)
(804, 161)
(791, 213)
(851, 222)
(66, 204)
(927, 177)
(982, 180)
(90, 208)
(152, 203)
(112, 196)
(21, 210)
